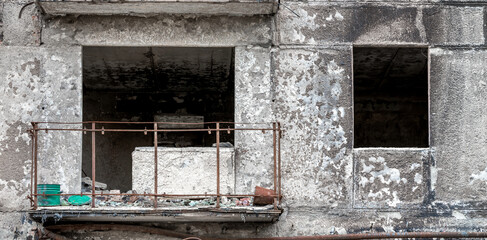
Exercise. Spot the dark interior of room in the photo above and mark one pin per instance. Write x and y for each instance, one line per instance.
(146, 84)
(390, 97)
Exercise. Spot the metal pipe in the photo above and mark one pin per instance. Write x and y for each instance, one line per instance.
(93, 165)
(383, 235)
(35, 164)
(160, 130)
(158, 195)
(179, 123)
(275, 161)
(32, 167)
(155, 165)
(218, 165)
(279, 161)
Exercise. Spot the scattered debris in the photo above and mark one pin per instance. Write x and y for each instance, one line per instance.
(86, 185)
(224, 144)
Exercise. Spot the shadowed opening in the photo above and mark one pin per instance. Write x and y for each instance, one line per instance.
(390, 97)
(145, 84)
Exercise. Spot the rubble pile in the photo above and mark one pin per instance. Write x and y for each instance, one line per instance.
(114, 198)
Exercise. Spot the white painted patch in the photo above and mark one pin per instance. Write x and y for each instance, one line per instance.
(458, 215)
(415, 165)
(339, 16)
(481, 176)
(418, 178)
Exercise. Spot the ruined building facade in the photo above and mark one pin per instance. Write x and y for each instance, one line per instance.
(381, 103)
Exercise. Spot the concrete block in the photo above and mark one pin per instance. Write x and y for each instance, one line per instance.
(183, 170)
(151, 7)
(167, 30)
(24, 31)
(38, 84)
(325, 24)
(458, 133)
(390, 177)
(254, 94)
(451, 25)
(314, 101)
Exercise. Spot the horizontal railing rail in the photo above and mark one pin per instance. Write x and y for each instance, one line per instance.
(212, 127)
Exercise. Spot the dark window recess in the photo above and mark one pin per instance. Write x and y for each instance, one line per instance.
(146, 84)
(390, 97)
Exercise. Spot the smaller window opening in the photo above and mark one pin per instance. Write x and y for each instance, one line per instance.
(390, 96)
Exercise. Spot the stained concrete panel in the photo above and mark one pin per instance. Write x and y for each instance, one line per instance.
(151, 7)
(189, 170)
(313, 98)
(390, 177)
(157, 31)
(38, 84)
(458, 118)
(454, 25)
(253, 105)
(380, 24)
(23, 31)
(325, 24)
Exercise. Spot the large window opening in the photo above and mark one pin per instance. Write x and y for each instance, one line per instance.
(145, 84)
(390, 96)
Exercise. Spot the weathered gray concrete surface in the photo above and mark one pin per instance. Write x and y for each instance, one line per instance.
(390, 177)
(37, 84)
(288, 68)
(253, 149)
(157, 31)
(313, 100)
(183, 170)
(380, 24)
(458, 82)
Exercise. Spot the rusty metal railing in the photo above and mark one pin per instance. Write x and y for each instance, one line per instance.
(37, 127)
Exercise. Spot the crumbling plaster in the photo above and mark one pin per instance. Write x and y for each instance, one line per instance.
(303, 79)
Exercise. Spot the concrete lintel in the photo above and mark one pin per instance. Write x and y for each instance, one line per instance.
(138, 7)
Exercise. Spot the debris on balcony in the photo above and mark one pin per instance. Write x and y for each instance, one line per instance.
(86, 184)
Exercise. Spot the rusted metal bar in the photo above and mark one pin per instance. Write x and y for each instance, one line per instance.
(155, 165)
(180, 123)
(93, 165)
(117, 227)
(274, 145)
(159, 130)
(35, 163)
(218, 165)
(279, 161)
(31, 168)
(158, 195)
(383, 235)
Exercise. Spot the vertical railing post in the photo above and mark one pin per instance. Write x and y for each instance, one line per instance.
(217, 165)
(32, 168)
(275, 162)
(36, 149)
(93, 164)
(279, 160)
(155, 165)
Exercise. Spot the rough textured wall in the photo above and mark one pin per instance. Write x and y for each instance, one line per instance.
(38, 84)
(458, 91)
(253, 93)
(304, 80)
(313, 101)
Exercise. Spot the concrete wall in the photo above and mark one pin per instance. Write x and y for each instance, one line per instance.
(294, 67)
